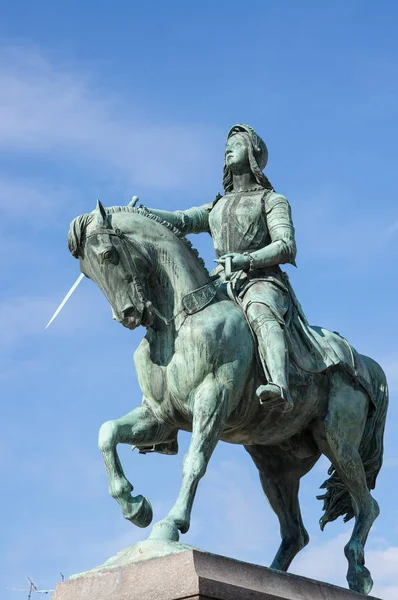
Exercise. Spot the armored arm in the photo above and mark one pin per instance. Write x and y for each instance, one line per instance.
(282, 248)
(192, 220)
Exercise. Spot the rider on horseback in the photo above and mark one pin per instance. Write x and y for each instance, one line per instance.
(253, 234)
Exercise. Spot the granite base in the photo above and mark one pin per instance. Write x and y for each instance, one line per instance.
(194, 575)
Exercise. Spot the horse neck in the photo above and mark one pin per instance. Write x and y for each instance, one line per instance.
(176, 270)
(177, 273)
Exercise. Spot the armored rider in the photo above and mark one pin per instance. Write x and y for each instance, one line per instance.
(253, 233)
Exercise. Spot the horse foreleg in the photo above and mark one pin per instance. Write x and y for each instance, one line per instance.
(210, 411)
(280, 475)
(338, 437)
(137, 427)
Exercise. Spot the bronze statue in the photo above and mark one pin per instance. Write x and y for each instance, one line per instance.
(307, 392)
(252, 227)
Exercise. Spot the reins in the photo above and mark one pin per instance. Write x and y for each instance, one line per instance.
(187, 306)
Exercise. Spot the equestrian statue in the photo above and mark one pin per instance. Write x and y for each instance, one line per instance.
(230, 355)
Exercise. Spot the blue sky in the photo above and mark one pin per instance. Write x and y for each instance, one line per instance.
(136, 98)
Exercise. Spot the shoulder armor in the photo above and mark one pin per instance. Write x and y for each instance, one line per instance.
(272, 198)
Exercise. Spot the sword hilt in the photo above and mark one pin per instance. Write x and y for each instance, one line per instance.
(228, 268)
(133, 201)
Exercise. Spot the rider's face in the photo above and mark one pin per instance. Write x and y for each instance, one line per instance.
(236, 153)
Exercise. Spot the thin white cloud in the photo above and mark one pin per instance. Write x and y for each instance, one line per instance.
(22, 317)
(73, 553)
(330, 225)
(326, 562)
(51, 109)
(392, 229)
(233, 506)
(29, 199)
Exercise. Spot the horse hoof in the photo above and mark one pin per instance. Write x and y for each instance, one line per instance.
(141, 513)
(165, 530)
(360, 581)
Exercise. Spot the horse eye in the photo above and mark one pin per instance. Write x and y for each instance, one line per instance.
(107, 255)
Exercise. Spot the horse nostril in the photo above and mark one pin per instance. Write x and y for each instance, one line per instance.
(129, 312)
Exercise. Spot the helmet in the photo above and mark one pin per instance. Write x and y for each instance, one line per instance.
(259, 147)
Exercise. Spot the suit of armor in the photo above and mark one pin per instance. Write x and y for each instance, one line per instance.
(257, 223)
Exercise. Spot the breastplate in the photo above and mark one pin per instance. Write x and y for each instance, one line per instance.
(238, 223)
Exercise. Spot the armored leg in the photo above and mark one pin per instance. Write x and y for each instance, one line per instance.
(273, 351)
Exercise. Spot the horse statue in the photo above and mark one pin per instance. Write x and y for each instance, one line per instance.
(198, 371)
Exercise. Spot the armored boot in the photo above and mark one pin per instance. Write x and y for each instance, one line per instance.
(273, 350)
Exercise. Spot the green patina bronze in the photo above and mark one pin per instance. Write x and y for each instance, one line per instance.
(230, 356)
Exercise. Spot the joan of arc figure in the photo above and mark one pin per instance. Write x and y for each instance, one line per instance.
(252, 230)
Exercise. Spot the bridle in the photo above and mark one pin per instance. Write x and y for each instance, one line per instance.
(146, 304)
(190, 303)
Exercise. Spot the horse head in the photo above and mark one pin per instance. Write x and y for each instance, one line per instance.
(117, 262)
(136, 258)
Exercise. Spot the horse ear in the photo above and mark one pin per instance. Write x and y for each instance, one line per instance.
(100, 213)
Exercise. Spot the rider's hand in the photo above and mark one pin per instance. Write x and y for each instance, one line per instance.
(239, 261)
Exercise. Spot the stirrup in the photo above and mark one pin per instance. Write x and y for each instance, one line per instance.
(284, 396)
(170, 448)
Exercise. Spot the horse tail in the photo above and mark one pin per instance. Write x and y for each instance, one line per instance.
(337, 500)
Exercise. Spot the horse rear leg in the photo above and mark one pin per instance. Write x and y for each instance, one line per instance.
(339, 437)
(210, 411)
(280, 474)
(137, 427)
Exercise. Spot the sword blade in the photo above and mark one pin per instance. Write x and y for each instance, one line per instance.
(65, 300)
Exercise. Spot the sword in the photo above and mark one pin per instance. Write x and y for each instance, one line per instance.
(132, 203)
(228, 268)
(65, 300)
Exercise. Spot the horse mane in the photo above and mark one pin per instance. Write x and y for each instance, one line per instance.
(79, 225)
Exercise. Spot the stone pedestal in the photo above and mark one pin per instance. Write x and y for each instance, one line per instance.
(194, 575)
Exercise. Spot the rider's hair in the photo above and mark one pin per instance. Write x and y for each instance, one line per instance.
(259, 176)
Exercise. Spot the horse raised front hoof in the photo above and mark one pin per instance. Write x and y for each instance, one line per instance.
(140, 512)
(165, 530)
